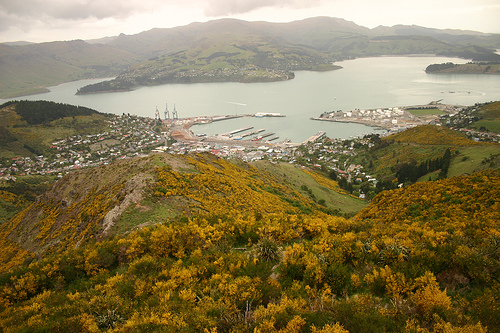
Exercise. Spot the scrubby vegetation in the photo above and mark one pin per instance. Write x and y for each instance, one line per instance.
(195, 243)
(242, 252)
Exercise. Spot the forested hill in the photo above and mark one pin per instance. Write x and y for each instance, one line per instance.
(203, 244)
(43, 112)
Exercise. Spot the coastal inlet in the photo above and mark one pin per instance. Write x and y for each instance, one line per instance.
(180, 130)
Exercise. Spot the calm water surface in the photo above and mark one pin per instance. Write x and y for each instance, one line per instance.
(361, 83)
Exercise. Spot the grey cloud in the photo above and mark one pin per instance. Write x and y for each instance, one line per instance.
(25, 14)
(228, 7)
(79, 9)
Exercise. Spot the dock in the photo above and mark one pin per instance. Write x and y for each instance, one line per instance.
(253, 132)
(237, 131)
(262, 136)
(314, 137)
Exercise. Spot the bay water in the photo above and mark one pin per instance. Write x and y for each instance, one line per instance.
(365, 83)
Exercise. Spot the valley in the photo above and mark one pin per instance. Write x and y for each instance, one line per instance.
(224, 50)
(304, 237)
(234, 176)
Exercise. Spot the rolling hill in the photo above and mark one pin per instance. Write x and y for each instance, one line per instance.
(193, 242)
(248, 50)
(29, 128)
(31, 68)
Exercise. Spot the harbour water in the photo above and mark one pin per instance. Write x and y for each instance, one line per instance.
(361, 83)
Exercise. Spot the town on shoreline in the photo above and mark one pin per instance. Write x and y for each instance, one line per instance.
(393, 119)
(131, 136)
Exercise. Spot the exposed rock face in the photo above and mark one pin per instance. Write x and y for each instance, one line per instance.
(133, 194)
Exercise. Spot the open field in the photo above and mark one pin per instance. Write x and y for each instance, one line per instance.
(472, 159)
(490, 125)
(305, 184)
(425, 112)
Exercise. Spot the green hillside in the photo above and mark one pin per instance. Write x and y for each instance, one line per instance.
(31, 68)
(225, 50)
(224, 248)
(227, 57)
(195, 243)
(422, 153)
(29, 127)
(484, 118)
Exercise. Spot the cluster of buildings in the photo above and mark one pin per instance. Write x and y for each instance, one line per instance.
(228, 149)
(465, 119)
(162, 75)
(390, 118)
(128, 136)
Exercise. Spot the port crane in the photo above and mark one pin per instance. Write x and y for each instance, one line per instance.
(174, 114)
(167, 113)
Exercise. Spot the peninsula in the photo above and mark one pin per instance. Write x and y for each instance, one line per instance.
(393, 119)
(468, 68)
(222, 50)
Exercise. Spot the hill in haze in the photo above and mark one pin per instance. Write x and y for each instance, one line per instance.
(225, 50)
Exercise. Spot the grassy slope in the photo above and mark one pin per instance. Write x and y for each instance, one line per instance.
(428, 142)
(296, 177)
(473, 159)
(29, 69)
(490, 114)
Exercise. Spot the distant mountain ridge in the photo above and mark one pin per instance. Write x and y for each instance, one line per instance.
(306, 44)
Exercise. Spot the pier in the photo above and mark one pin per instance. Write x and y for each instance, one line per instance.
(314, 137)
(266, 135)
(230, 134)
(253, 132)
(262, 136)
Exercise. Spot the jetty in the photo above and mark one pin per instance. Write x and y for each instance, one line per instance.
(230, 134)
(315, 137)
(262, 136)
(253, 132)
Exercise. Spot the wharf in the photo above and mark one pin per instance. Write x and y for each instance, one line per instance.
(262, 136)
(253, 132)
(314, 137)
(237, 131)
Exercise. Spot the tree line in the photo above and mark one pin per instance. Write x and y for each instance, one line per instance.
(42, 112)
(413, 171)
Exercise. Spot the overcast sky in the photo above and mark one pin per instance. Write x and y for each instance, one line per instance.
(51, 20)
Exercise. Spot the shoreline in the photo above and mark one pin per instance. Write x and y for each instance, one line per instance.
(391, 119)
